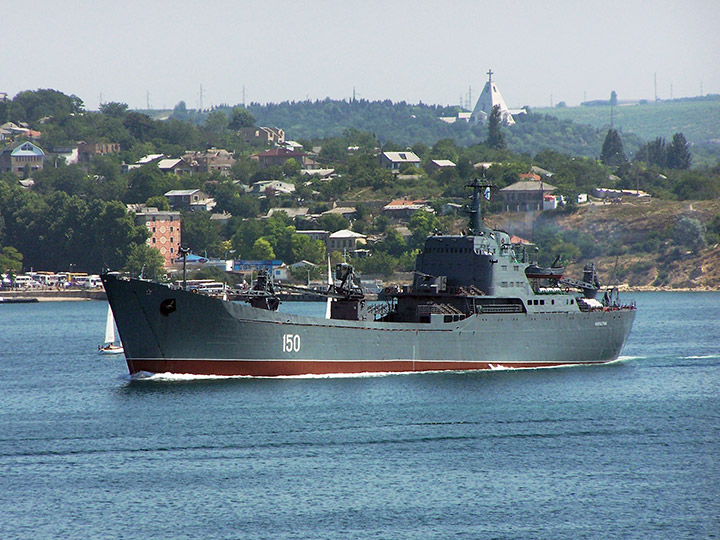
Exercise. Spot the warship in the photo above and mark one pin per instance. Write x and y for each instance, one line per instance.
(477, 301)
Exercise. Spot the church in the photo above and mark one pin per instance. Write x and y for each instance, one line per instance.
(489, 97)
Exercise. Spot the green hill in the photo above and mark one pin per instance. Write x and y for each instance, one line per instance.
(697, 118)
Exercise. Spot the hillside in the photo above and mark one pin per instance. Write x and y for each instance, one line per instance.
(698, 119)
(640, 239)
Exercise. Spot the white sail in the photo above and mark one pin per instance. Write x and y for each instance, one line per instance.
(330, 284)
(109, 346)
(109, 327)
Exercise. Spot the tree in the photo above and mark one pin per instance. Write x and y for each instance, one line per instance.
(32, 105)
(139, 125)
(145, 261)
(678, 153)
(200, 233)
(689, 232)
(262, 250)
(613, 153)
(10, 260)
(114, 109)
(333, 222)
(240, 118)
(654, 152)
(291, 168)
(159, 201)
(496, 138)
(421, 224)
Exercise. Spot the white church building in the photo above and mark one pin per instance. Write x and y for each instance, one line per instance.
(489, 97)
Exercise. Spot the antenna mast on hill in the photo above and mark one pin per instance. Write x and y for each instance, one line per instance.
(655, 77)
(147, 99)
(243, 95)
(200, 103)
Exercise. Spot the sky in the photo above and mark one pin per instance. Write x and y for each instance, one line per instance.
(159, 53)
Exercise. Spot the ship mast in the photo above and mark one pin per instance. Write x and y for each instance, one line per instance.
(476, 221)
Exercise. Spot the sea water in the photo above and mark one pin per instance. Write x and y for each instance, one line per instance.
(626, 450)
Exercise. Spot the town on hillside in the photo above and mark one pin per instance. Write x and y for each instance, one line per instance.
(84, 192)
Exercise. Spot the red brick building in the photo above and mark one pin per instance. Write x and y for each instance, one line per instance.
(165, 231)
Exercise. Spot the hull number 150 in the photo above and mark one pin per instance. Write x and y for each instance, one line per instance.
(291, 343)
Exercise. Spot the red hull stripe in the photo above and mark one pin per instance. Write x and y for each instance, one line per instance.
(265, 368)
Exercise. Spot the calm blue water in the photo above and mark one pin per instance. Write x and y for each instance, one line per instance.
(628, 450)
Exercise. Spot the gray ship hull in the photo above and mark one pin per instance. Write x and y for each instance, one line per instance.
(168, 330)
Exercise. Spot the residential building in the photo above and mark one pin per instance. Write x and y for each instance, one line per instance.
(315, 234)
(348, 212)
(278, 157)
(189, 199)
(525, 196)
(266, 187)
(87, 151)
(438, 164)
(345, 241)
(177, 166)
(395, 160)
(165, 231)
(22, 158)
(212, 160)
(268, 135)
(403, 209)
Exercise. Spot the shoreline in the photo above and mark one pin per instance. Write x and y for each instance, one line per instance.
(57, 296)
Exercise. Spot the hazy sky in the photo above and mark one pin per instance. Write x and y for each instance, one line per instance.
(429, 51)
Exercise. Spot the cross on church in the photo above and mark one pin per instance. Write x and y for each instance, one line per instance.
(490, 74)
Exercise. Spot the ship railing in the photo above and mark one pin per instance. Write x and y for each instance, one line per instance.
(498, 308)
(380, 310)
(427, 309)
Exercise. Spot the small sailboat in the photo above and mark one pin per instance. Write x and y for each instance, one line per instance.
(109, 346)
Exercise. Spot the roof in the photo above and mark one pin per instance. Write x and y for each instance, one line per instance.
(443, 163)
(403, 157)
(291, 212)
(280, 152)
(518, 240)
(317, 172)
(149, 158)
(347, 233)
(343, 210)
(181, 192)
(402, 204)
(168, 163)
(529, 186)
(23, 148)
